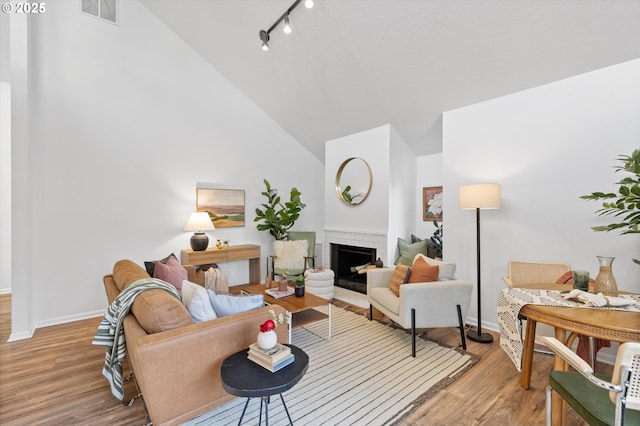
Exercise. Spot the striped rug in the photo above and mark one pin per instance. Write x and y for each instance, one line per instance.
(364, 375)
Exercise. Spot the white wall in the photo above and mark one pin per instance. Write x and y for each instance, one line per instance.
(372, 215)
(5, 187)
(428, 173)
(547, 146)
(124, 120)
(402, 177)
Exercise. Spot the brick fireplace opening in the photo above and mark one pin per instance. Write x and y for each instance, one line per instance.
(346, 260)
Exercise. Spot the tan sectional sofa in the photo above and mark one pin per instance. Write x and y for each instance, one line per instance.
(177, 362)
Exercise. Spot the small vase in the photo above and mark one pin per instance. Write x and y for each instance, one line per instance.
(605, 281)
(267, 339)
(299, 291)
(379, 263)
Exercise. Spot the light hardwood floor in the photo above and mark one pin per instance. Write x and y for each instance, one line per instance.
(55, 378)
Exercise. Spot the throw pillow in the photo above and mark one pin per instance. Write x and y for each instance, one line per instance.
(171, 272)
(196, 299)
(447, 269)
(150, 265)
(422, 272)
(408, 251)
(228, 304)
(290, 254)
(415, 239)
(400, 276)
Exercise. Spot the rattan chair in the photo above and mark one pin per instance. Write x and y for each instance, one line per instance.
(598, 399)
(523, 272)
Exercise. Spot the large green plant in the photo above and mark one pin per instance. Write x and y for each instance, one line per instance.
(278, 218)
(626, 203)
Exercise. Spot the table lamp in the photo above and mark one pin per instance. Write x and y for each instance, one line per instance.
(479, 196)
(199, 222)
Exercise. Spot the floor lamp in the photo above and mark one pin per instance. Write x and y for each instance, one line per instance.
(479, 196)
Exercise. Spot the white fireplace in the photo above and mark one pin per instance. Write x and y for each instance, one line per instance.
(377, 240)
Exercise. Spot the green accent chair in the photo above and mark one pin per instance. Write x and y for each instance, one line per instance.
(296, 260)
(598, 399)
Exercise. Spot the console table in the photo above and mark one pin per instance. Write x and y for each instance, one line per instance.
(250, 252)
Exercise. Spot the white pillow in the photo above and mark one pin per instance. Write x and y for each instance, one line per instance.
(447, 269)
(290, 254)
(228, 304)
(196, 300)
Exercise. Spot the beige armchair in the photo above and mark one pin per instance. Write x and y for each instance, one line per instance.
(420, 305)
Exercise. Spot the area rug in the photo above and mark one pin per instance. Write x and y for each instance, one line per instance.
(363, 375)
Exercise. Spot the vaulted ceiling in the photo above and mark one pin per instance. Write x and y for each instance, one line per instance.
(351, 65)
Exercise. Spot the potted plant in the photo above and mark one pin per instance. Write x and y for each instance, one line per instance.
(299, 285)
(627, 200)
(278, 218)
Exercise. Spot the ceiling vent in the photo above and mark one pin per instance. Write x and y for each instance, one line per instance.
(105, 10)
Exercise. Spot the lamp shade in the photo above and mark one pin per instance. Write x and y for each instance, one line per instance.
(199, 222)
(479, 196)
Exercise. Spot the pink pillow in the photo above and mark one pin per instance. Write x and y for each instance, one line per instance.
(171, 272)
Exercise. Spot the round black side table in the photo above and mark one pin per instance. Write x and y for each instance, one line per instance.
(243, 377)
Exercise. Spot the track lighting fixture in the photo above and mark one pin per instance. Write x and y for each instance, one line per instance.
(264, 34)
(287, 27)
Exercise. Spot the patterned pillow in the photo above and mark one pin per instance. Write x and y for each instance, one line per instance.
(422, 272)
(400, 276)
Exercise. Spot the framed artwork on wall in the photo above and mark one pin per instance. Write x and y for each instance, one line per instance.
(225, 206)
(432, 203)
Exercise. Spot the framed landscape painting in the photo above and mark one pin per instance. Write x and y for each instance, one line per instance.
(225, 206)
(432, 203)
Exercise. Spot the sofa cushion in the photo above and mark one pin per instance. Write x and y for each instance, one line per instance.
(385, 297)
(407, 252)
(157, 311)
(150, 265)
(422, 272)
(229, 304)
(171, 272)
(126, 272)
(400, 276)
(447, 269)
(196, 299)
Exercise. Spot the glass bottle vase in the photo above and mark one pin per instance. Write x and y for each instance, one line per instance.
(605, 281)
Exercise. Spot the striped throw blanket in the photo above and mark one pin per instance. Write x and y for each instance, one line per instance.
(110, 332)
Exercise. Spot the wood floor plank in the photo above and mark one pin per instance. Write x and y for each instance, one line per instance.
(55, 378)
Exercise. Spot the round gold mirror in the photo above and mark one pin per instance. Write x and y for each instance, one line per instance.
(353, 181)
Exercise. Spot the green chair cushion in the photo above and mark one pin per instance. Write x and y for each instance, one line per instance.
(591, 402)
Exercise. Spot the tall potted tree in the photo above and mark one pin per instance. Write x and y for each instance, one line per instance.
(276, 217)
(626, 203)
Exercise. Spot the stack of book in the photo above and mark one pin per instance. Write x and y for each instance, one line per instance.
(277, 294)
(272, 359)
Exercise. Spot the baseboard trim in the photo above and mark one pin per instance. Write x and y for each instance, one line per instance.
(70, 318)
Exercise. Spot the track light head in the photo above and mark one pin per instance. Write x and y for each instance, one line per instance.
(287, 27)
(308, 4)
(264, 36)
